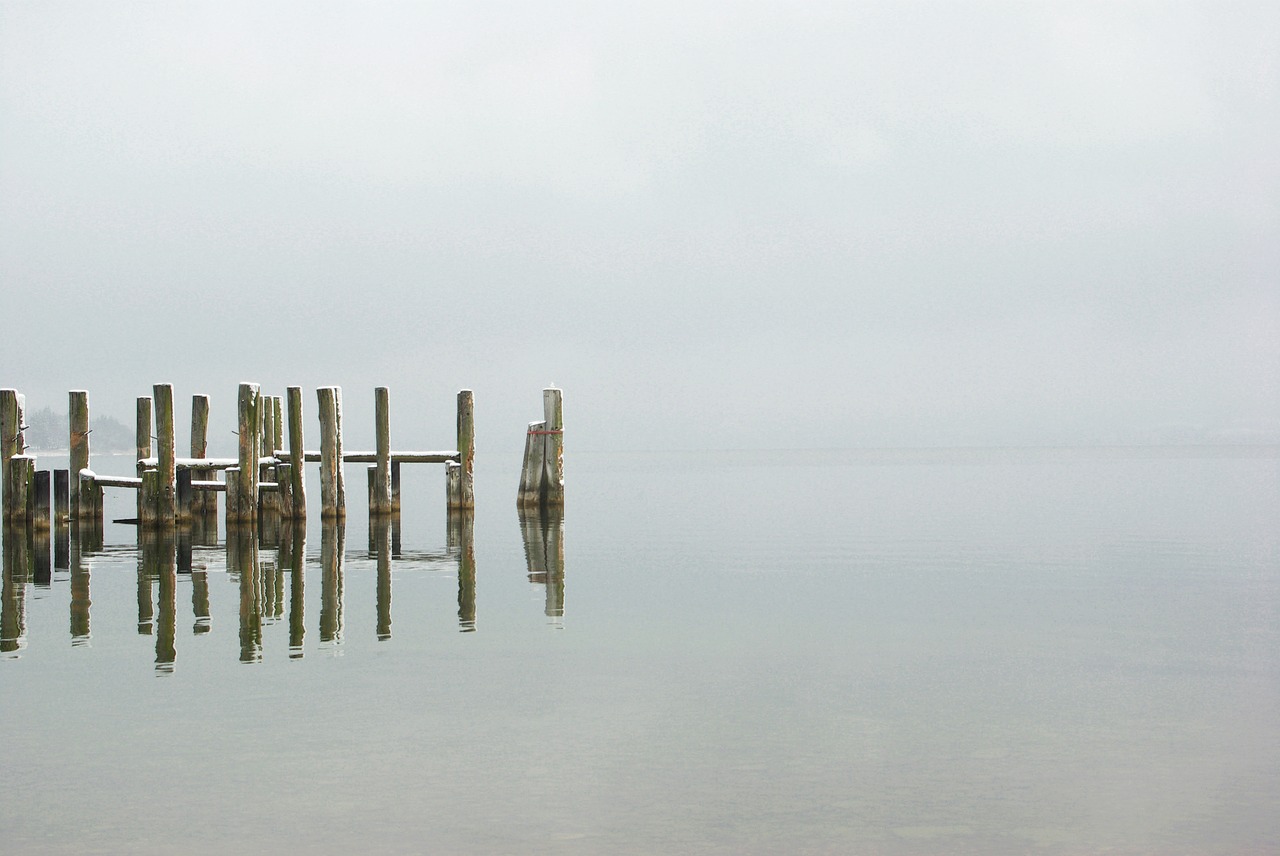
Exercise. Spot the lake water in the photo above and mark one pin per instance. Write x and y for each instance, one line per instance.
(882, 652)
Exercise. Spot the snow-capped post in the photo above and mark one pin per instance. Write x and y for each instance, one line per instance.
(166, 460)
(462, 493)
(297, 456)
(78, 449)
(380, 491)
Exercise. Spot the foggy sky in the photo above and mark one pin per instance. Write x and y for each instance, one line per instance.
(715, 225)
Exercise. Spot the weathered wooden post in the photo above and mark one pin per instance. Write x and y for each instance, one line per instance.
(464, 495)
(232, 477)
(78, 448)
(380, 495)
(202, 501)
(149, 510)
(11, 441)
(250, 432)
(40, 500)
(61, 497)
(553, 414)
(332, 489)
(542, 476)
(184, 497)
(166, 461)
(277, 423)
(142, 449)
(297, 456)
(19, 492)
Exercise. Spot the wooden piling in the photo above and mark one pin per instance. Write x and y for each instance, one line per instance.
(250, 433)
(297, 454)
(531, 472)
(380, 493)
(464, 497)
(78, 448)
(19, 491)
(184, 496)
(332, 490)
(11, 442)
(150, 505)
(202, 501)
(232, 476)
(553, 415)
(61, 496)
(40, 500)
(277, 423)
(166, 466)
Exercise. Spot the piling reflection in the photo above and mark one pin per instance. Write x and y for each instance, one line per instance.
(62, 547)
(41, 566)
(242, 565)
(80, 602)
(332, 545)
(543, 532)
(380, 545)
(159, 562)
(294, 547)
(461, 538)
(13, 591)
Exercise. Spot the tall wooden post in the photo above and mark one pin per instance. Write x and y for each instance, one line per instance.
(297, 456)
(78, 447)
(11, 441)
(202, 501)
(61, 498)
(380, 495)
(40, 500)
(553, 415)
(249, 408)
(332, 489)
(464, 496)
(165, 454)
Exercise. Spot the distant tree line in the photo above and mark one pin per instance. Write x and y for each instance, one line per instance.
(48, 431)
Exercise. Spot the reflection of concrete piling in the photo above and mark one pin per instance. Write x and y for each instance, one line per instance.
(542, 476)
(543, 533)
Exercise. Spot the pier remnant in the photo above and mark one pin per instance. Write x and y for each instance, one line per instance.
(542, 476)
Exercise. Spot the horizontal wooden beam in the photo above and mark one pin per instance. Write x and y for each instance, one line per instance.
(372, 457)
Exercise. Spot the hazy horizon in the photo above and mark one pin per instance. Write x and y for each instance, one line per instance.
(713, 225)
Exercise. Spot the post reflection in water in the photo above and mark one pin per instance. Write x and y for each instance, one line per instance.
(293, 551)
(242, 564)
(332, 545)
(41, 567)
(13, 607)
(380, 545)
(461, 538)
(62, 547)
(159, 562)
(79, 588)
(543, 532)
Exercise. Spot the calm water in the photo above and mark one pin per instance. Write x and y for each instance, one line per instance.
(1006, 651)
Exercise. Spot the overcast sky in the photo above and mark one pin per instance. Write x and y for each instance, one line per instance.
(715, 225)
